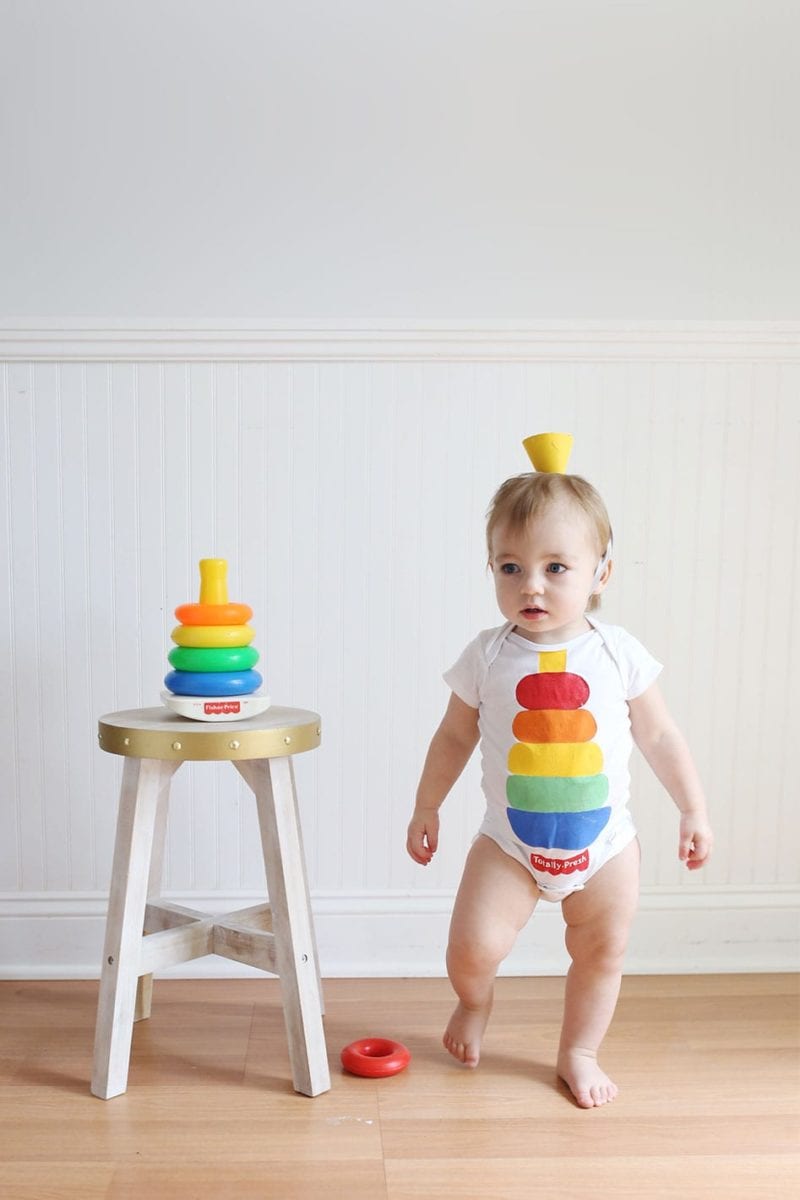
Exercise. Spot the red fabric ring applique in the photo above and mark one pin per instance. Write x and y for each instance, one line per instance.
(375, 1058)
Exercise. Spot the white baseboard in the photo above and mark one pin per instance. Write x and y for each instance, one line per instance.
(708, 930)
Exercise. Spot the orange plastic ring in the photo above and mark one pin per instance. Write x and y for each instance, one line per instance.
(375, 1057)
(213, 614)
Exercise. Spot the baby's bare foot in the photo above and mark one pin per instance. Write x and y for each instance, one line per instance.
(588, 1083)
(464, 1033)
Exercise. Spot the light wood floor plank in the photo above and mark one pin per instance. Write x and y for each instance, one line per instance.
(55, 1181)
(288, 1180)
(661, 1178)
(593, 1135)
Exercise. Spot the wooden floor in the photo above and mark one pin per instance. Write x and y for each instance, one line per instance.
(708, 1068)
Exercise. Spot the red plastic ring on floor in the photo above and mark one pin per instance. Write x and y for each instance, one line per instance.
(375, 1057)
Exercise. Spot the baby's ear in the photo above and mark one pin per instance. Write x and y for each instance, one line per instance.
(602, 582)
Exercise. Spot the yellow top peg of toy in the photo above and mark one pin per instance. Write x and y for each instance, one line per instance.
(213, 581)
(549, 452)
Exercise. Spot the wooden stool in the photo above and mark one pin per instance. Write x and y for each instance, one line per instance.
(277, 937)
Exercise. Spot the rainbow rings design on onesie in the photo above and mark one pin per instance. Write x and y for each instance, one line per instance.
(556, 791)
(213, 677)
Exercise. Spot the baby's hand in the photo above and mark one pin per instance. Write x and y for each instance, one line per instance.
(423, 835)
(696, 840)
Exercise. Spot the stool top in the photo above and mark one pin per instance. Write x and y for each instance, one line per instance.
(160, 733)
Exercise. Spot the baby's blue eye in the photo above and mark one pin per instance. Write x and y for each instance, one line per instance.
(509, 569)
(556, 568)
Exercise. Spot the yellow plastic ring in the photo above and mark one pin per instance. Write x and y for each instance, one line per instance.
(213, 614)
(213, 635)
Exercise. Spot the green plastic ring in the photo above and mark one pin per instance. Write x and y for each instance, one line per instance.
(213, 658)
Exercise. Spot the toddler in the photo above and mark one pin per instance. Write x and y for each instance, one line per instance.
(556, 699)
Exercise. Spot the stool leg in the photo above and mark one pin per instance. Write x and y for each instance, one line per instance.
(143, 782)
(144, 985)
(298, 826)
(272, 781)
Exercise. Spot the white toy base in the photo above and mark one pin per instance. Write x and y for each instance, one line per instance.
(216, 708)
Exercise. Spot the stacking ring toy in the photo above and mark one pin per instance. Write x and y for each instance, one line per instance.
(213, 658)
(213, 677)
(375, 1058)
(213, 614)
(215, 683)
(213, 635)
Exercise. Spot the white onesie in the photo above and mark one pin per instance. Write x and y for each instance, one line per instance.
(555, 745)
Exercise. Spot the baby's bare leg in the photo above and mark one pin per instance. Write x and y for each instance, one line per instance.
(495, 899)
(598, 922)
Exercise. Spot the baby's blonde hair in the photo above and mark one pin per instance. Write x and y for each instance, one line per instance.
(522, 496)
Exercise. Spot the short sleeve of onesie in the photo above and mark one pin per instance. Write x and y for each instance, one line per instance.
(466, 675)
(636, 665)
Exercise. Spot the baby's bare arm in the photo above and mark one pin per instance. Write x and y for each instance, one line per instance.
(664, 747)
(448, 754)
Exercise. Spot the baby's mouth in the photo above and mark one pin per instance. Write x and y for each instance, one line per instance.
(533, 611)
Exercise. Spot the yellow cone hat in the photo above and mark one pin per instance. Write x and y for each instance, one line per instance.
(549, 452)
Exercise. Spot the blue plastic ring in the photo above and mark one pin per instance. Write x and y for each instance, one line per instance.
(212, 683)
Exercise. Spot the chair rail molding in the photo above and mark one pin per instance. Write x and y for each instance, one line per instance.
(375, 340)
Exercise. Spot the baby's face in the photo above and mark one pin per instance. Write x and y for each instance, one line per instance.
(544, 572)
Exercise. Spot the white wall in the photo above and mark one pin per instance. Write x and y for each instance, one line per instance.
(423, 158)
(349, 499)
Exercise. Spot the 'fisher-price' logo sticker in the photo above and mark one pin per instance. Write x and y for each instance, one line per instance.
(215, 708)
(561, 866)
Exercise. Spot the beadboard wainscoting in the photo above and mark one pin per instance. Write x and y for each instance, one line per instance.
(344, 473)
